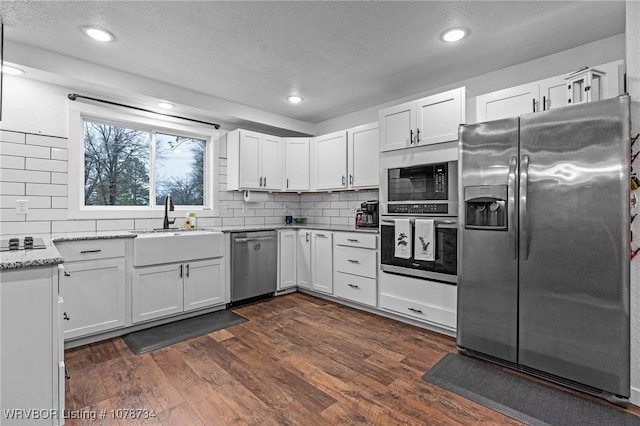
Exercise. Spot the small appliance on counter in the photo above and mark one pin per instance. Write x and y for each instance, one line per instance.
(367, 215)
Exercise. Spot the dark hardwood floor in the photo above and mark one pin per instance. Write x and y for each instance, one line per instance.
(299, 360)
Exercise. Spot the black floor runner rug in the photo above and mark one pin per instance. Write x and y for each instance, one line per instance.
(168, 334)
(520, 398)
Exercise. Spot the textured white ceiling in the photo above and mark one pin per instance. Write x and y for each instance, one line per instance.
(340, 56)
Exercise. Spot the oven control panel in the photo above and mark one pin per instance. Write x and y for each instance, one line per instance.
(426, 208)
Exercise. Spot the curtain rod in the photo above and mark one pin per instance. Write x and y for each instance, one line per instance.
(75, 96)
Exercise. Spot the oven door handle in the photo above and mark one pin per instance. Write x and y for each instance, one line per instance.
(442, 223)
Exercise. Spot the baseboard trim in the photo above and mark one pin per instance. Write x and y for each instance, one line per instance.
(634, 398)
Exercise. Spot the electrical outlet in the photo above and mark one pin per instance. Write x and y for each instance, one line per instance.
(21, 207)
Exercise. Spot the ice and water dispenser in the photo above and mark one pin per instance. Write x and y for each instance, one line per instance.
(486, 207)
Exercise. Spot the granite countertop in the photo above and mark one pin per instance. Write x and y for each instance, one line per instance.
(50, 256)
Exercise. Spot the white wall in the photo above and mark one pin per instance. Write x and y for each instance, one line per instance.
(599, 52)
(633, 86)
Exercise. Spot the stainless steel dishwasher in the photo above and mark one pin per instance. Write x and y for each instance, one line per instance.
(254, 265)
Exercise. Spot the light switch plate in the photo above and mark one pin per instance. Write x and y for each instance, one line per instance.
(22, 207)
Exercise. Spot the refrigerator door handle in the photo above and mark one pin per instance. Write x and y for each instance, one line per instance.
(511, 185)
(524, 225)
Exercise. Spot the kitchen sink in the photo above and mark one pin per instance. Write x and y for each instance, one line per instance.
(160, 246)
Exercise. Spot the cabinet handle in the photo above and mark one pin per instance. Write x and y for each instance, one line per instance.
(343, 181)
(544, 103)
(418, 136)
(534, 105)
(260, 181)
(350, 179)
(90, 251)
(353, 261)
(67, 376)
(187, 270)
(415, 310)
(353, 286)
(265, 181)
(287, 182)
(353, 240)
(321, 235)
(180, 273)
(66, 274)
(411, 136)
(65, 316)
(306, 235)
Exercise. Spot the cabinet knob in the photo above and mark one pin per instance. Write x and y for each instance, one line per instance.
(66, 274)
(65, 316)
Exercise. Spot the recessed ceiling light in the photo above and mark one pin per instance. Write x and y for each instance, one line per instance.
(454, 34)
(165, 105)
(294, 99)
(8, 69)
(98, 33)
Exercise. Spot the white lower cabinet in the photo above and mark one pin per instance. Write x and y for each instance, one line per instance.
(427, 301)
(162, 290)
(93, 286)
(32, 387)
(303, 259)
(322, 261)
(355, 259)
(287, 254)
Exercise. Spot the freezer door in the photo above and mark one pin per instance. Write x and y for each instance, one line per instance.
(487, 265)
(574, 243)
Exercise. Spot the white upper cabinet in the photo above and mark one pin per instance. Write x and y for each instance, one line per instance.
(429, 120)
(508, 102)
(363, 156)
(330, 166)
(254, 161)
(296, 163)
(541, 95)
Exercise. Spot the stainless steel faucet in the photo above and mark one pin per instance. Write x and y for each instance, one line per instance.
(168, 207)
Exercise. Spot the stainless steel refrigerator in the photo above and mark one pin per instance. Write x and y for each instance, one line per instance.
(543, 282)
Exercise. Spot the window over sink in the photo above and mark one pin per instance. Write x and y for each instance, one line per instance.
(124, 165)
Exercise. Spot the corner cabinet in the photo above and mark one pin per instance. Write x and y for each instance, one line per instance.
(363, 156)
(329, 165)
(93, 286)
(254, 161)
(430, 120)
(296, 164)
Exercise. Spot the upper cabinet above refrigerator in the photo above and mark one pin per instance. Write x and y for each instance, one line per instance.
(426, 121)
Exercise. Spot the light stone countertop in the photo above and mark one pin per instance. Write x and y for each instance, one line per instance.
(50, 256)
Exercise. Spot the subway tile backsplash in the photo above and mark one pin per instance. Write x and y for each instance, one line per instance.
(34, 168)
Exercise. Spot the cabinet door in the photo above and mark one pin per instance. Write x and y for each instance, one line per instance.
(271, 162)
(203, 283)
(296, 164)
(363, 156)
(287, 244)
(157, 291)
(331, 161)
(553, 93)
(397, 126)
(28, 363)
(94, 296)
(508, 102)
(249, 159)
(303, 261)
(322, 262)
(439, 116)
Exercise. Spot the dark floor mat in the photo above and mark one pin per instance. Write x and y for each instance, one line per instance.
(167, 334)
(520, 398)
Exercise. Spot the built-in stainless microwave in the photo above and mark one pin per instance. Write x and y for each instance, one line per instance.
(435, 184)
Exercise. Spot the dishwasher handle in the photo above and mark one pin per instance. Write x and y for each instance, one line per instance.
(246, 240)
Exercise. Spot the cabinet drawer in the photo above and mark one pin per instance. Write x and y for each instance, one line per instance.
(355, 288)
(91, 249)
(419, 310)
(355, 261)
(356, 239)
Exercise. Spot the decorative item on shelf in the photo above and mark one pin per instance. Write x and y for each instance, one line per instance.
(585, 85)
(300, 220)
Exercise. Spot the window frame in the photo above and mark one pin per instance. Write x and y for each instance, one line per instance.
(79, 112)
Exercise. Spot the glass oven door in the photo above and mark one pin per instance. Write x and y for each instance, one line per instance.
(445, 266)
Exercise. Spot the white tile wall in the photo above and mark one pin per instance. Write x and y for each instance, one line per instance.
(34, 168)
